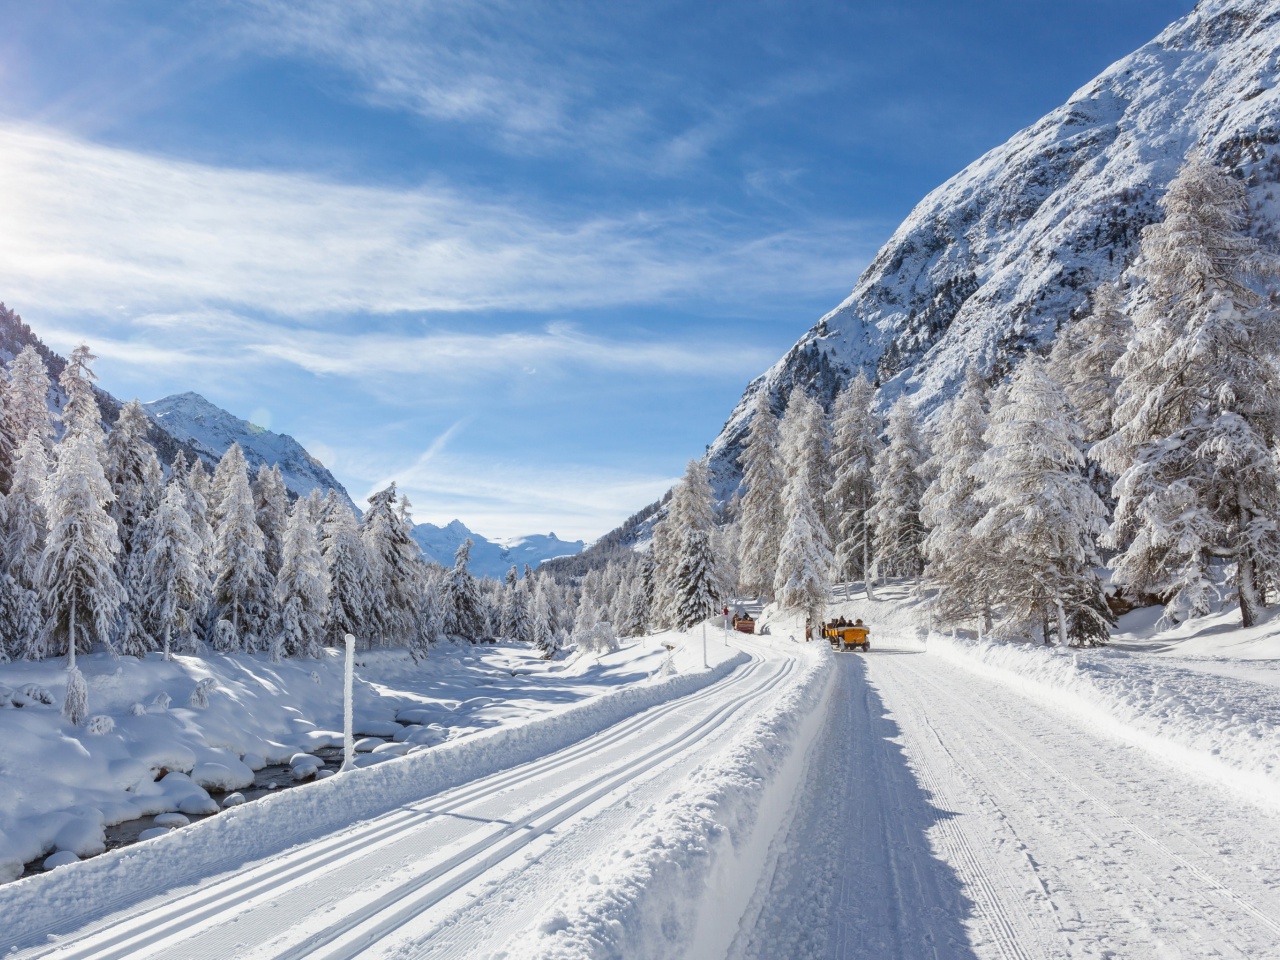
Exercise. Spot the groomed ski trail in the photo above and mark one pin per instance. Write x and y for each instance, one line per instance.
(949, 817)
(456, 874)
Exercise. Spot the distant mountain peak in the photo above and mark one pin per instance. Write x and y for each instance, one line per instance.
(491, 558)
(210, 430)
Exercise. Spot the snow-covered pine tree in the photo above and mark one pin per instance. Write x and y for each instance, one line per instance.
(174, 573)
(242, 588)
(694, 587)
(1198, 406)
(760, 515)
(26, 398)
(347, 568)
(134, 474)
(80, 414)
(300, 586)
(394, 566)
(463, 610)
(1084, 356)
(271, 502)
(25, 525)
(855, 447)
(806, 446)
(8, 444)
(430, 620)
(521, 620)
(895, 513)
(543, 617)
(77, 573)
(805, 561)
(1042, 518)
(950, 509)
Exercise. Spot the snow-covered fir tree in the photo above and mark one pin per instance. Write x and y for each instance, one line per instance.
(301, 593)
(394, 565)
(760, 515)
(137, 484)
(80, 414)
(950, 508)
(855, 447)
(805, 561)
(25, 525)
(271, 502)
(243, 591)
(1043, 518)
(346, 567)
(543, 621)
(430, 620)
(177, 581)
(1084, 356)
(895, 513)
(26, 398)
(1198, 406)
(694, 587)
(463, 609)
(77, 575)
(806, 447)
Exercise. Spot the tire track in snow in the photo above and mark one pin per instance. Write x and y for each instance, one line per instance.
(1031, 765)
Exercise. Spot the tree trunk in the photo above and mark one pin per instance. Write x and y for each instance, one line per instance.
(1246, 582)
(167, 654)
(1062, 623)
(71, 635)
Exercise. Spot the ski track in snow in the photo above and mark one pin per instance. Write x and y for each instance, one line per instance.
(948, 816)
(409, 884)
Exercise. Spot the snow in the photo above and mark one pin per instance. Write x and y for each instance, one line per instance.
(937, 796)
(269, 706)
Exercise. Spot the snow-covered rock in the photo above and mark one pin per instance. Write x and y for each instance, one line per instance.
(990, 263)
(211, 430)
(491, 558)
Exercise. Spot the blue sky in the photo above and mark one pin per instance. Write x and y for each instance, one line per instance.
(522, 257)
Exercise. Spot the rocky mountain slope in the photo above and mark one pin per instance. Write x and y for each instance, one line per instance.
(210, 431)
(992, 262)
(491, 558)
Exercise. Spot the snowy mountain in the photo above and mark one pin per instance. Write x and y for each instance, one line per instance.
(992, 262)
(210, 430)
(490, 558)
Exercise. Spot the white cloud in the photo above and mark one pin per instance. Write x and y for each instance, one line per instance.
(83, 226)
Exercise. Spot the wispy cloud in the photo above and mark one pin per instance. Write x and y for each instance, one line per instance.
(85, 227)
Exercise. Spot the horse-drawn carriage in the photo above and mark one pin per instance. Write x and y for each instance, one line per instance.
(843, 635)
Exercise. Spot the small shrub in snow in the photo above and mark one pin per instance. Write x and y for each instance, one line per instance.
(36, 694)
(315, 677)
(138, 710)
(161, 701)
(101, 725)
(200, 695)
(76, 704)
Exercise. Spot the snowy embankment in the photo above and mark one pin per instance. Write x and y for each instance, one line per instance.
(278, 822)
(682, 878)
(1224, 728)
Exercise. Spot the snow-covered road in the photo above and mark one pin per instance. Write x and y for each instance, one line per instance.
(947, 816)
(456, 875)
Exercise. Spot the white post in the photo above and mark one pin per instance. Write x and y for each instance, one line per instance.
(348, 738)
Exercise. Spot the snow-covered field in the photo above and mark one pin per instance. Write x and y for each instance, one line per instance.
(937, 797)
